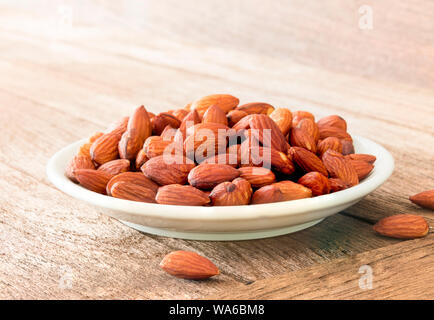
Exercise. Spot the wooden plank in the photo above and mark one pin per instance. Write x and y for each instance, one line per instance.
(401, 271)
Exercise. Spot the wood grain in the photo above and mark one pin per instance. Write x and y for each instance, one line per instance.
(63, 81)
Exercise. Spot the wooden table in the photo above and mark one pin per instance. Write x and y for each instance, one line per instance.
(69, 69)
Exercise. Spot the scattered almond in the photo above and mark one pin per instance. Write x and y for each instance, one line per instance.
(402, 226)
(188, 265)
(424, 199)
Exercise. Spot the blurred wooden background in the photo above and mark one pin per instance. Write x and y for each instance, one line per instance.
(68, 68)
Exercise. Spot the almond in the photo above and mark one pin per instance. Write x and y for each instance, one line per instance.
(141, 158)
(256, 108)
(224, 158)
(257, 176)
(332, 143)
(132, 191)
(93, 180)
(301, 138)
(188, 265)
(347, 147)
(363, 168)
(78, 162)
(118, 127)
(424, 199)
(340, 167)
(402, 226)
(226, 102)
(115, 167)
(138, 130)
(176, 194)
(280, 191)
(137, 178)
(168, 133)
(333, 121)
(307, 161)
(243, 124)
(180, 113)
(215, 115)
(162, 120)
(155, 146)
(325, 132)
(105, 148)
(362, 157)
(207, 176)
(234, 116)
(337, 185)
(283, 119)
(235, 193)
(297, 116)
(191, 119)
(165, 172)
(260, 122)
(315, 181)
(309, 126)
(85, 148)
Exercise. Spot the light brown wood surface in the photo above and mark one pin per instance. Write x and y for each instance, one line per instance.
(69, 69)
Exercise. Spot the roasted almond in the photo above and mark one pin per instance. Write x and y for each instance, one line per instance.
(309, 126)
(78, 162)
(362, 157)
(234, 116)
(283, 119)
(168, 133)
(257, 176)
(132, 191)
(226, 102)
(118, 127)
(307, 161)
(402, 226)
(337, 185)
(137, 178)
(424, 199)
(207, 176)
(297, 116)
(333, 121)
(155, 146)
(260, 122)
(315, 181)
(164, 171)
(215, 115)
(162, 120)
(325, 132)
(191, 119)
(115, 167)
(332, 143)
(280, 191)
(231, 159)
(138, 130)
(235, 193)
(93, 180)
(85, 148)
(340, 167)
(183, 195)
(141, 158)
(363, 168)
(256, 108)
(188, 265)
(105, 148)
(301, 138)
(180, 113)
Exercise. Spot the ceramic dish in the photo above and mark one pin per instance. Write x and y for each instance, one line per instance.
(225, 223)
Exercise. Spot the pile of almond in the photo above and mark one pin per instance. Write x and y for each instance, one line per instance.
(215, 152)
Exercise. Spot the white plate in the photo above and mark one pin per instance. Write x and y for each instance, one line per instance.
(225, 223)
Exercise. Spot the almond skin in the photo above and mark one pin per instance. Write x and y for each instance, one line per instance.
(333, 121)
(297, 116)
(158, 170)
(78, 162)
(105, 148)
(137, 178)
(325, 132)
(224, 158)
(283, 119)
(155, 146)
(329, 143)
(424, 199)
(93, 180)
(115, 167)
(307, 161)
(310, 127)
(207, 176)
(191, 119)
(162, 120)
(301, 138)
(188, 265)
(256, 108)
(402, 226)
(340, 167)
(235, 193)
(362, 157)
(132, 191)
(257, 176)
(215, 115)
(337, 185)
(168, 133)
(226, 102)
(315, 181)
(183, 195)
(280, 191)
(260, 122)
(234, 116)
(141, 158)
(85, 148)
(138, 130)
(362, 168)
